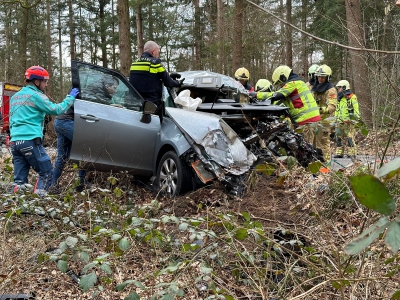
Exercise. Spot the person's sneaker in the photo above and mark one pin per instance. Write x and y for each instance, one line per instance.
(41, 192)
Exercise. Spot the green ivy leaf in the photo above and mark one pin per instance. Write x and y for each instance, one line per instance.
(62, 265)
(314, 167)
(367, 237)
(121, 286)
(132, 296)
(266, 168)
(84, 256)
(246, 216)
(115, 237)
(241, 234)
(392, 238)
(71, 241)
(396, 295)
(112, 180)
(106, 268)
(372, 193)
(117, 192)
(183, 226)
(87, 281)
(390, 169)
(89, 266)
(82, 236)
(124, 244)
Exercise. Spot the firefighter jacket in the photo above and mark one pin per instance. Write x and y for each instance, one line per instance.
(147, 76)
(261, 96)
(28, 108)
(326, 96)
(301, 103)
(348, 109)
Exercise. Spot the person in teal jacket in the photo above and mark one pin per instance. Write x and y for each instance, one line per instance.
(28, 108)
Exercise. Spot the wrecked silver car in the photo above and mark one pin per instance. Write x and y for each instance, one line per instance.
(263, 128)
(116, 130)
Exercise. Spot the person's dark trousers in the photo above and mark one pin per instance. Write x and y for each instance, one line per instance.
(28, 154)
(65, 132)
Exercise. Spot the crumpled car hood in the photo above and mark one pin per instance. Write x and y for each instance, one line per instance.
(219, 141)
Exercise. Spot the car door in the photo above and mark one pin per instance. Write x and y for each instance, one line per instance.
(108, 133)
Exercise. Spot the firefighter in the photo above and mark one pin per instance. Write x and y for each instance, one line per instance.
(325, 94)
(264, 90)
(147, 74)
(28, 108)
(243, 76)
(347, 115)
(295, 95)
(311, 76)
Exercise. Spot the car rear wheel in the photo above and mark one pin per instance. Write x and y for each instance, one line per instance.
(174, 176)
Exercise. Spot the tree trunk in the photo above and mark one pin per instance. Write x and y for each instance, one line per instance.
(60, 51)
(139, 30)
(237, 36)
(196, 34)
(124, 39)
(71, 30)
(23, 37)
(220, 35)
(288, 44)
(50, 90)
(359, 68)
(103, 34)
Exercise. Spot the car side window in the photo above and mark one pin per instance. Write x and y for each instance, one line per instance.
(108, 88)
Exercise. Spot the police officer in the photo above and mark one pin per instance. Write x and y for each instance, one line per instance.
(147, 74)
(28, 108)
(325, 94)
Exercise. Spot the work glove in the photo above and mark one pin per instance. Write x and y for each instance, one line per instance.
(175, 76)
(181, 81)
(74, 92)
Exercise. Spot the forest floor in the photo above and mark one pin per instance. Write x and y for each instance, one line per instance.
(302, 207)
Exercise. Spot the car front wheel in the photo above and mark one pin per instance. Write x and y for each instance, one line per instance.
(174, 176)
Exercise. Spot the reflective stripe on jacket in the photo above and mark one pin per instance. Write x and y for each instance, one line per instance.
(147, 75)
(347, 109)
(300, 101)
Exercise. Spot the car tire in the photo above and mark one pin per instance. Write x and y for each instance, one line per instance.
(174, 176)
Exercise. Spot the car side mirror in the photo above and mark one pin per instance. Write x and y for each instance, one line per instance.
(149, 108)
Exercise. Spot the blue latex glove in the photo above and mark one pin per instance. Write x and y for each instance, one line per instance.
(74, 92)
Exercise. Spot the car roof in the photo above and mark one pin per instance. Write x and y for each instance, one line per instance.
(228, 82)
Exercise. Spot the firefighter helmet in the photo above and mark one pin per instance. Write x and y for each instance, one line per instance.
(324, 70)
(281, 74)
(242, 73)
(264, 85)
(344, 84)
(36, 72)
(312, 70)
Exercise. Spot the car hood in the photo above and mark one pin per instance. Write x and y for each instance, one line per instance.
(216, 138)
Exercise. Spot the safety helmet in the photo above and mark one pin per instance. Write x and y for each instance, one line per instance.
(242, 73)
(264, 85)
(344, 84)
(312, 70)
(36, 72)
(281, 74)
(324, 70)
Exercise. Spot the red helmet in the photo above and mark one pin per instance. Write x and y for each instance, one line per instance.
(36, 72)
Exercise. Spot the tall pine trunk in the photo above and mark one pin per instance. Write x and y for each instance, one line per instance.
(359, 68)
